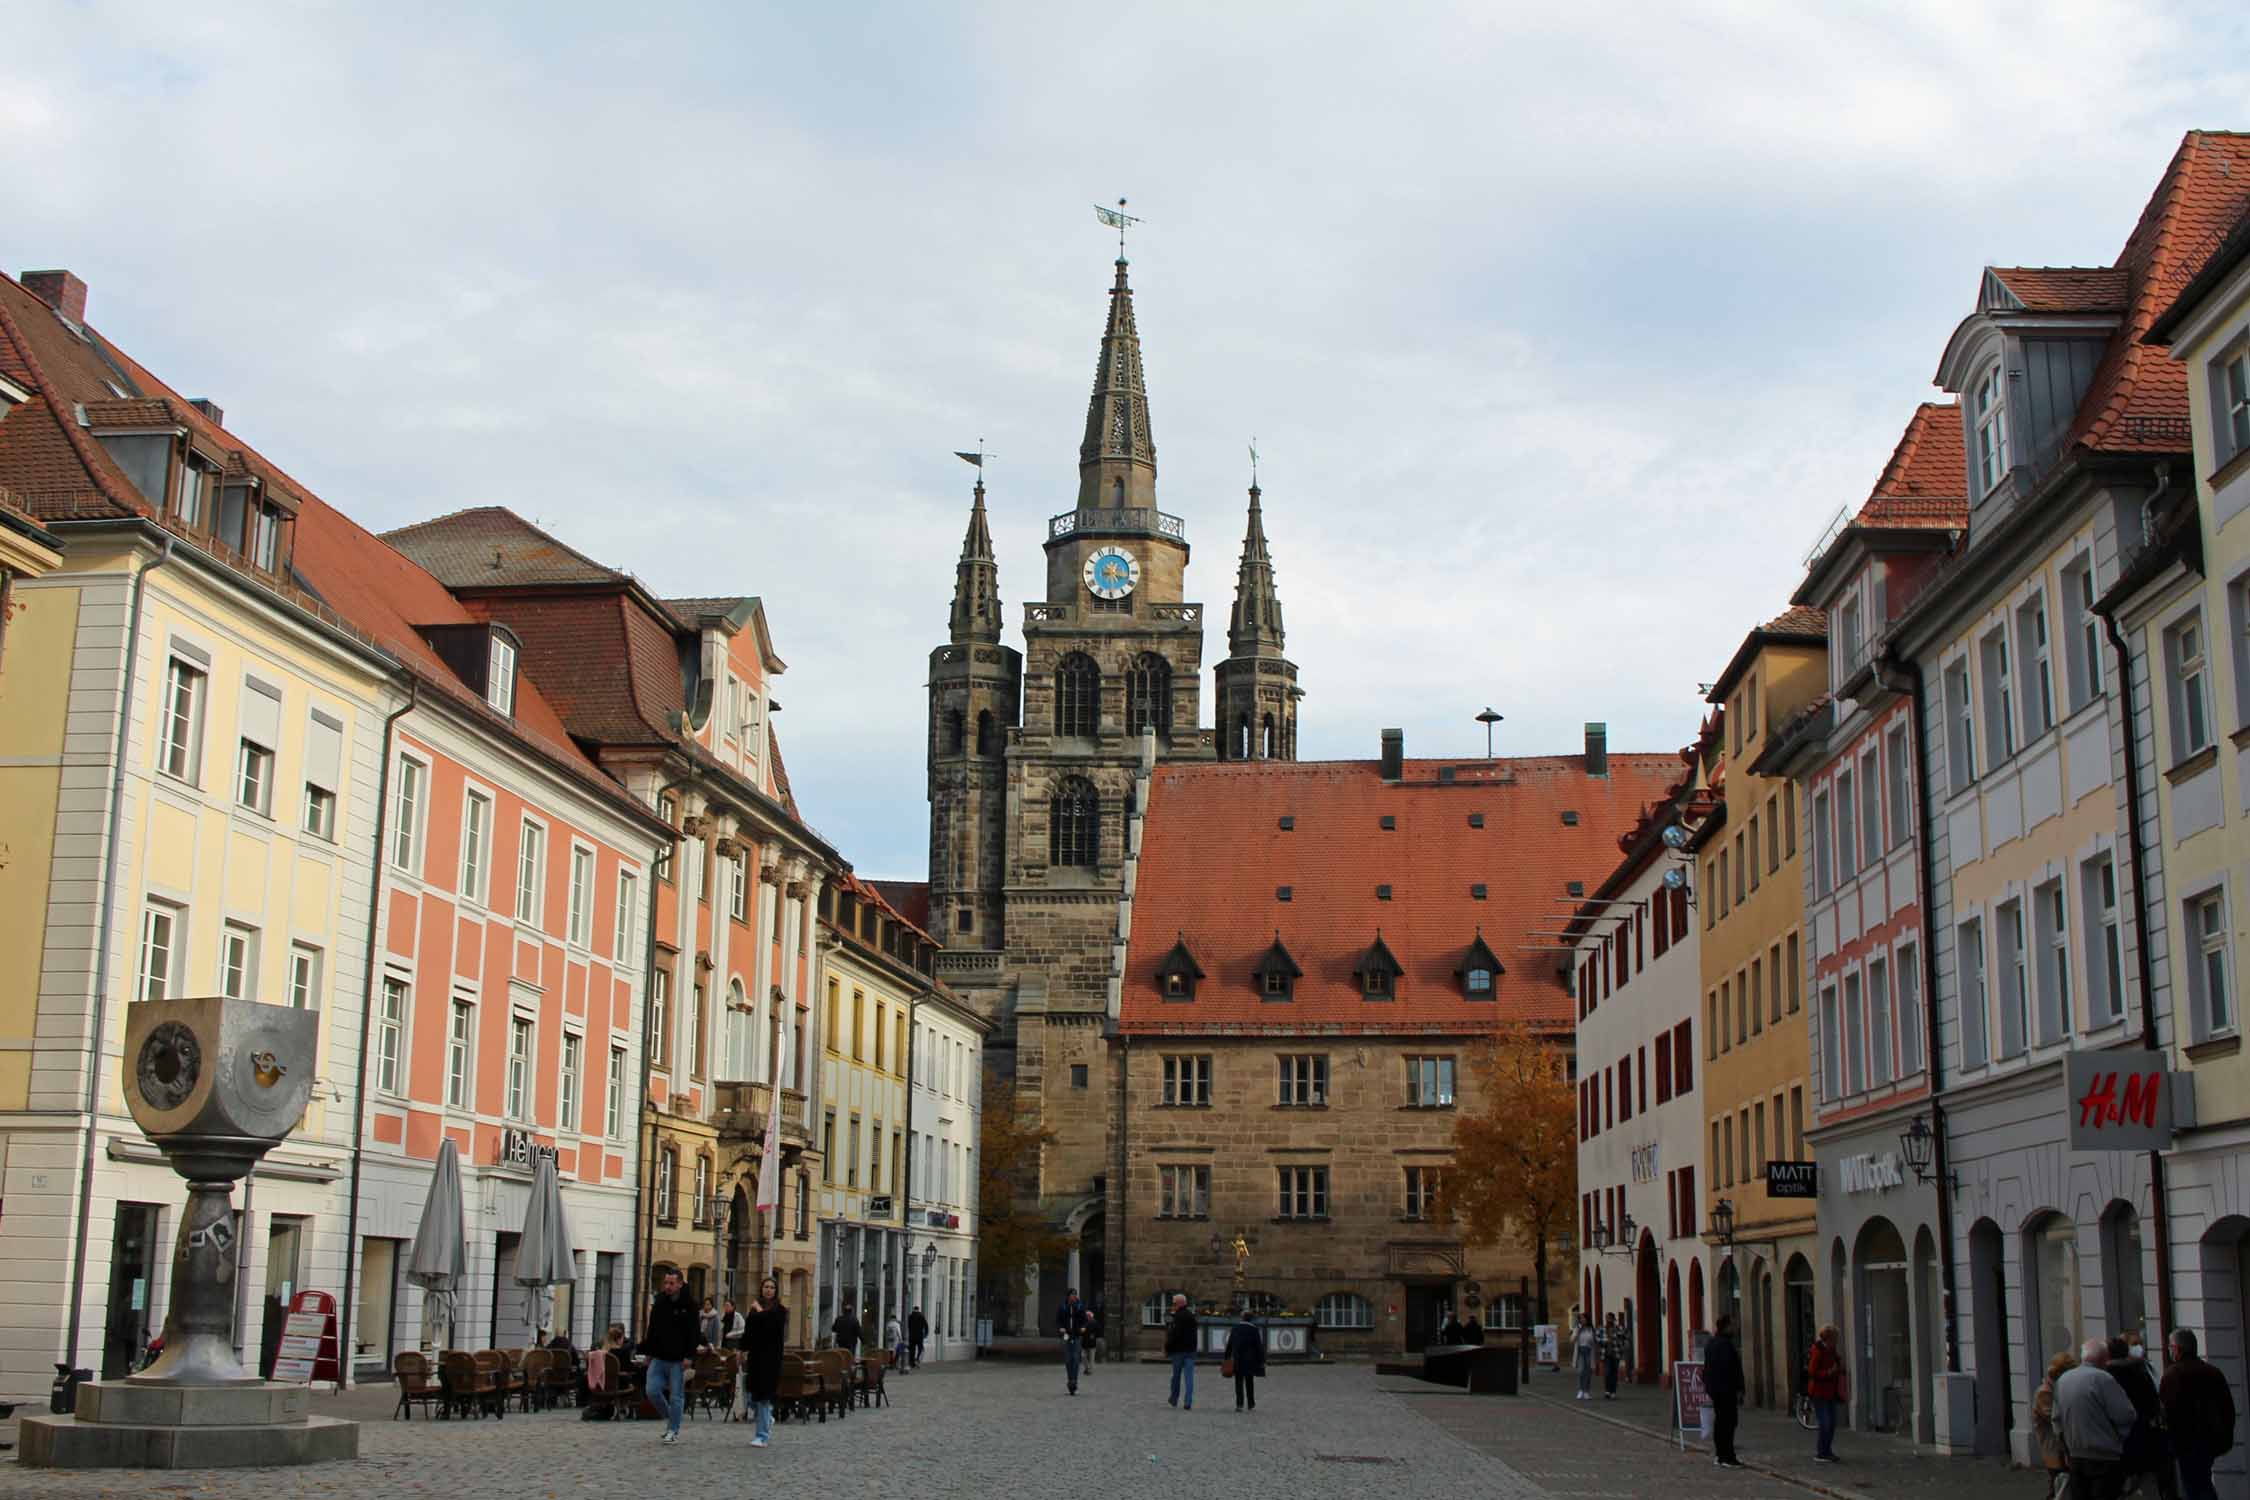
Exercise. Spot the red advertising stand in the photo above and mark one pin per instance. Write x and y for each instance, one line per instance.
(308, 1341)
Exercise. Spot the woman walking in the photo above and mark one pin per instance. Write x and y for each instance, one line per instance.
(1613, 1350)
(1824, 1383)
(2046, 1436)
(1246, 1352)
(765, 1331)
(1582, 1353)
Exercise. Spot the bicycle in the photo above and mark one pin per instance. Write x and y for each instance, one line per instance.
(1801, 1407)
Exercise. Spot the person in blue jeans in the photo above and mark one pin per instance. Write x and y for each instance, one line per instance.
(1072, 1320)
(764, 1336)
(675, 1332)
(1179, 1342)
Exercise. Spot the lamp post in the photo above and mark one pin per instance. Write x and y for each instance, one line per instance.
(1489, 718)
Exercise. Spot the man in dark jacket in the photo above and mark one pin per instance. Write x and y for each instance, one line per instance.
(1072, 1320)
(1179, 1345)
(917, 1334)
(675, 1332)
(1246, 1347)
(1722, 1387)
(846, 1330)
(2198, 1412)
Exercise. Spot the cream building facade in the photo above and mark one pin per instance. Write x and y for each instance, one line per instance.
(946, 1064)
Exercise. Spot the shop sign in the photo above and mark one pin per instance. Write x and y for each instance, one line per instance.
(1645, 1162)
(1869, 1172)
(2118, 1101)
(879, 1206)
(1792, 1179)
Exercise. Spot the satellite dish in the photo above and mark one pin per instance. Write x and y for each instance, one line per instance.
(1675, 837)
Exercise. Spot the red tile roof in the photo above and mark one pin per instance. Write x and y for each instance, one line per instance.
(491, 547)
(1799, 620)
(1926, 482)
(909, 898)
(1213, 855)
(2065, 289)
(872, 892)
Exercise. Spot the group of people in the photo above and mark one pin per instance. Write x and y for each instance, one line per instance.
(2102, 1419)
(1243, 1361)
(678, 1331)
(1593, 1349)
(1724, 1381)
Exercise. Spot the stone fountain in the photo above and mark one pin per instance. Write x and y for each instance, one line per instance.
(215, 1084)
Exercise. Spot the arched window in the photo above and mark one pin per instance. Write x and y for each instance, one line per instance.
(956, 731)
(1269, 745)
(1242, 738)
(1078, 695)
(988, 733)
(1344, 1310)
(1074, 828)
(1148, 695)
(1117, 492)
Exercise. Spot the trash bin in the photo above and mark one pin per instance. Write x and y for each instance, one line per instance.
(63, 1399)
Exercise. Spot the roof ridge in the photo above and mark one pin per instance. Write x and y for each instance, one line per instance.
(82, 445)
(541, 532)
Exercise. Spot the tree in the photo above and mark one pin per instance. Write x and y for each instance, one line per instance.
(1011, 1231)
(1515, 1157)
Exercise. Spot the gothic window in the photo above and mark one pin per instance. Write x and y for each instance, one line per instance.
(1269, 745)
(1242, 738)
(1073, 828)
(988, 734)
(1148, 695)
(1078, 695)
(956, 731)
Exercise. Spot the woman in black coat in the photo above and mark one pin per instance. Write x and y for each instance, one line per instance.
(765, 1331)
(1246, 1346)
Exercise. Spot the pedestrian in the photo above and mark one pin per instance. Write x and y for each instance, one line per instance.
(1089, 1342)
(765, 1334)
(1613, 1350)
(846, 1330)
(894, 1339)
(675, 1332)
(1449, 1332)
(1246, 1359)
(1179, 1346)
(2147, 1449)
(2096, 1418)
(2044, 1433)
(1070, 1322)
(2198, 1412)
(1582, 1355)
(1723, 1384)
(730, 1325)
(917, 1334)
(1826, 1387)
(708, 1324)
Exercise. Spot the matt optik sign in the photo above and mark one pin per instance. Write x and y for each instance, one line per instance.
(2123, 1101)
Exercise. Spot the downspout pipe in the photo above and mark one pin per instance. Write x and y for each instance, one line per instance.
(102, 945)
(1941, 1153)
(366, 1030)
(644, 1197)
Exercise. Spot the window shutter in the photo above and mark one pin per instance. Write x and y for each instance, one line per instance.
(261, 713)
(324, 751)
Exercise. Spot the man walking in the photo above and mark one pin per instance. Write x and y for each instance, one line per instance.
(1071, 1322)
(2198, 1412)
(1722, 1387)
(675, 1332)
(917, 1334)
(2095, 1417)
(1179, 1345)
(846, 1330)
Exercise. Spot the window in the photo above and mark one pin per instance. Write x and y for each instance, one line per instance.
(1429, 1082)
(1773, 972)
(2050, 913)
(1796, 976)
(613, 1103)
(1148, 695)
(659, 1016)
(1789, 818)
(320, 812)
(476, 828)
(1722, 1149)
(2015, 992)
(161, 933)
(2208, 987)
(2190, 689)
(1988, 405)
(1421, 1192)
(238, 961)
(1960, 729)
(1999, 695)
(738, 887)
(390, 1033)
(828, 1148)
(1073, 836)
(1773, 836)
(265, 537)
(2105, 955)
(1187, 1082)
(1741, 887)
(699, 1200)
(1755, 990)
(500, 674)
(1895, 786)
(1870, 808)
(304, 976)
(254, 778)
(1879, 1065)
(1183, 1192)
(859, 1025)
(406, 816)
(457, 1041)
(2082, 635)
(2230, 402)
(668, 809)
(519, 1068)
(882, 1024)
(2032, 649)
(188, 502)
(179, 748)
(1078, 695)
(531, 872)
(1855, 1037)
(1304, 1192)
(1910, 1055)
(667, 1173)
(1343, 1310)
(691, 1029)
(627, 944)
(875, 1156)
(1823, 857)
(1847, 826)
(851, 1155)
(581, 897)
(1304, 1079)
(1831, 1047)
(1968, 954)
(1757, 867)
(566, 1109)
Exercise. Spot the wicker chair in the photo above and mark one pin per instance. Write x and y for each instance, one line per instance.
(614, 1396)
(561, 1381)
(709, 1384)
(871, 1390)
(838, 1381)
(496, 1378)
(799, 1394)
(416, 1385)
(470, 1384)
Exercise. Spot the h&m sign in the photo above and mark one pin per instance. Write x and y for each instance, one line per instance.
(2120, 1101)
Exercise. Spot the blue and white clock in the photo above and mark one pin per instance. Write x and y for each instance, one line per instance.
(1111, 573)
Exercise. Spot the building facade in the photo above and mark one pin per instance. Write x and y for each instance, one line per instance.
(943, 1141)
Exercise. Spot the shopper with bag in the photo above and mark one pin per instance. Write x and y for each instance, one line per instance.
(1245, 1360)
(1827, 1388)
(2199, 1411)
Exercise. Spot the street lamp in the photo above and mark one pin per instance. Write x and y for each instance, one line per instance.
(1722, 1221)
(1918, 1144)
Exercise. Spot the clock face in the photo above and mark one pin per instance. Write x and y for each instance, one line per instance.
(1111, 573)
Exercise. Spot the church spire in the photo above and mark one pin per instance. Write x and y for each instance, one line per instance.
(976, 580)
(1117, 460)
(1255, 628)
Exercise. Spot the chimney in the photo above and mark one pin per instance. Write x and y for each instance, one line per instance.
(1597, 749)
(212, 412)
(1394, 754)
(60, 290)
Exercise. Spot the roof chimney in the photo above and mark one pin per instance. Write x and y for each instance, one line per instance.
(60, 290)
(211, 410)
(1597, 749)
(1394, 754)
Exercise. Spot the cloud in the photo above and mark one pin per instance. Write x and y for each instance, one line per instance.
(1562, 332)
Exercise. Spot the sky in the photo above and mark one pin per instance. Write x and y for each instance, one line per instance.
(1563, 332)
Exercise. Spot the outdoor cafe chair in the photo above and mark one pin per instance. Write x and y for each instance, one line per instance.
(416, 1386)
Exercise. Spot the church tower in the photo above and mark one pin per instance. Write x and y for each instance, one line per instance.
(1256, 688)
(975, 686)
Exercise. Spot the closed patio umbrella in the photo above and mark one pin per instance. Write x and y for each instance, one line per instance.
(439, 1263)
(543, 1254)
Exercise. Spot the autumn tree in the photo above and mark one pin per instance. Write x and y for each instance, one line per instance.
(1011, 1231)
(1515, 1156)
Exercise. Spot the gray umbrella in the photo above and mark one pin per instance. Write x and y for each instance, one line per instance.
(439, 1263)
(543, 1254)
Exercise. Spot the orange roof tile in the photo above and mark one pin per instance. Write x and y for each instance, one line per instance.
(1213, 856)
(1926, 482)
(2066, 289)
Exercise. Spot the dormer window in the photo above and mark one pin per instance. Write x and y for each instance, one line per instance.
(188, 497)
(1177, 974)
(265, 537)
(1988, 405)
(1277, 973)
(1379, 972)
(500, 674)
(1480, 970)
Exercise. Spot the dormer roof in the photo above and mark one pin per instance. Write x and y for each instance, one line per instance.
(1479, 955)
(2053, 289)
(1377, 961)
(1276, 960)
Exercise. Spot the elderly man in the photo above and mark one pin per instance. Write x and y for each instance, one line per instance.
(2095, 1417)
(1179, 1343)
(2199, 1412)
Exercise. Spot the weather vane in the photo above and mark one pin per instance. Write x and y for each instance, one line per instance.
(1117, 219)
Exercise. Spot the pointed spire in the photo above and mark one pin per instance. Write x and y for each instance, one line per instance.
(976, 581)
(1255, 628)
(1117, 460)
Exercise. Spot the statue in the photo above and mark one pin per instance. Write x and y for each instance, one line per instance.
(1241, 1256)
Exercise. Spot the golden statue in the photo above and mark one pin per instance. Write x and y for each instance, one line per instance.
(1241, 1255)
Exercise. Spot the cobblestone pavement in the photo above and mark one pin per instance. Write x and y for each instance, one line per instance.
(1007, 1431)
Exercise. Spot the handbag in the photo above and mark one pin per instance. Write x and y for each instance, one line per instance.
(1226, 1368)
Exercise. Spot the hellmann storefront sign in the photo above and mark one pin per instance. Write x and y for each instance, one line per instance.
(1869, 1172)
(2124, 1101)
